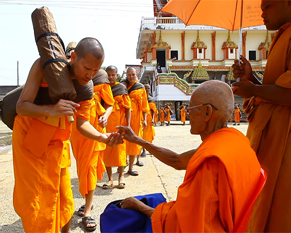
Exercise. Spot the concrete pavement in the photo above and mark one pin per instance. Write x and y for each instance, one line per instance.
(155, 177)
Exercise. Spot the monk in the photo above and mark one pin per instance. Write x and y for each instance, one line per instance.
(116, 156)
(139, 109)
(237, 115)
(183, 113)
(43, 196)
(218, 183)
(162, 115)
(269, 113)
(89, 153)
(168, 114)
(156, 117)
(149, 131)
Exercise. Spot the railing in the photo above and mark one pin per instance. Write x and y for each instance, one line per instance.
(173, 79)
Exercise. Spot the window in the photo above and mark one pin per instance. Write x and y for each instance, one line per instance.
(231, 50)
(174, 54)
(200, 50)
(252, 55)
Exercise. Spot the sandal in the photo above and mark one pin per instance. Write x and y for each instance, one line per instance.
(133, 172)
(139, 163)
(121, 184)
(89, 221)
(82, 209)
(107, 185)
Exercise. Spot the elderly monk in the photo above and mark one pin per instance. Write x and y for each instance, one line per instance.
(149, 131)
(139, 109)
(89, 153)
(116, 156)
(42, 194)
(269, 113)
(220, 176)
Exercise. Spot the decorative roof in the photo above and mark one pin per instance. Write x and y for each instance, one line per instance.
(200, 73)
(161, 43)
(228, 43)
(265, 45)
(198, 44)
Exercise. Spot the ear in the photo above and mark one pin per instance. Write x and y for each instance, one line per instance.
(208, 112)
(73, 57)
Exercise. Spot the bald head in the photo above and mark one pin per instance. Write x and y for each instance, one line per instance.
(89, 45)
(217, 93)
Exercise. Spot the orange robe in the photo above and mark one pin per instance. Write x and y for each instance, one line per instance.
(88, 153)
(149, 131)
(168, 117)
(43, 196)
(218, 185)
(162, 116)
(156, 116)
(139, 104)
(183, 115)
(237, 115)
(116, 156)
(269, 134)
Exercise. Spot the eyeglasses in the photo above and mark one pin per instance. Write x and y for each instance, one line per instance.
(189, 108)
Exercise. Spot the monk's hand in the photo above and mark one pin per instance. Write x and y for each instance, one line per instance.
(135, 204)
(127, 133)
(242, 70)
(153, 123)
(144, 124)
(102, 121)
(112, 139)
(64, 107)
(244, 89)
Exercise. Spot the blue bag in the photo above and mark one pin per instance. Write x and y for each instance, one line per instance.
(114, 219)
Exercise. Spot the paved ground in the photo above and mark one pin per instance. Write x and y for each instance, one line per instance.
(154, 177)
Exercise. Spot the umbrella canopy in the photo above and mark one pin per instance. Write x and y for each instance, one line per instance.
(228, 14)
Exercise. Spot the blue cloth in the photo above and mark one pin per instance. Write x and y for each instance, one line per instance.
(114, 219)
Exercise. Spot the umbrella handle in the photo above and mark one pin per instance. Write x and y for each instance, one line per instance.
(70, 119)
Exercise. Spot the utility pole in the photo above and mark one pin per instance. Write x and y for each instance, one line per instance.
(17, 73)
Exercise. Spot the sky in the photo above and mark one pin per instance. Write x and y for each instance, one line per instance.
(115, 23)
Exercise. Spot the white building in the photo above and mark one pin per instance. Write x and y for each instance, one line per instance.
(189, 55)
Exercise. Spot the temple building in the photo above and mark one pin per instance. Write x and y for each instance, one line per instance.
(189, 55)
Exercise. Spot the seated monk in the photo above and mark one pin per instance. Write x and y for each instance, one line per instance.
(220, 176)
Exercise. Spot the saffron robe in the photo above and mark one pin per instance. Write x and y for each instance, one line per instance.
(139, 104)
(149, 131)
(237, 115)
(162, 116)
(42, 195)
(269, 134)
(116, 156)
(168, 117)
(218, 184)
(156, 116)
(183, 114)
(88, 153)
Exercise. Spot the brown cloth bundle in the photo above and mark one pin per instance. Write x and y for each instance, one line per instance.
(52, 54)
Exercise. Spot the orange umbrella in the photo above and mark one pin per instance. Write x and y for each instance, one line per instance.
(228, 14)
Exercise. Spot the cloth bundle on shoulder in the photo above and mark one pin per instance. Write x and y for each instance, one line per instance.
(52, 54)
(115, 219)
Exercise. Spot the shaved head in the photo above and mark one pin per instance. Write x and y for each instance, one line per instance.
(89, 45)
(217, 93)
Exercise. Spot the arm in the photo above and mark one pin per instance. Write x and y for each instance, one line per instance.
(102, 121)
(127, 116)
(25, 105)
(144, 122)
(135, 204)
(171, 158)
(87, 130)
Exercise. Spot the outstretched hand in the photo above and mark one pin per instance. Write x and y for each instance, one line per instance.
(127, 133)
(243, 89)
(113, 139)
(135, 204)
